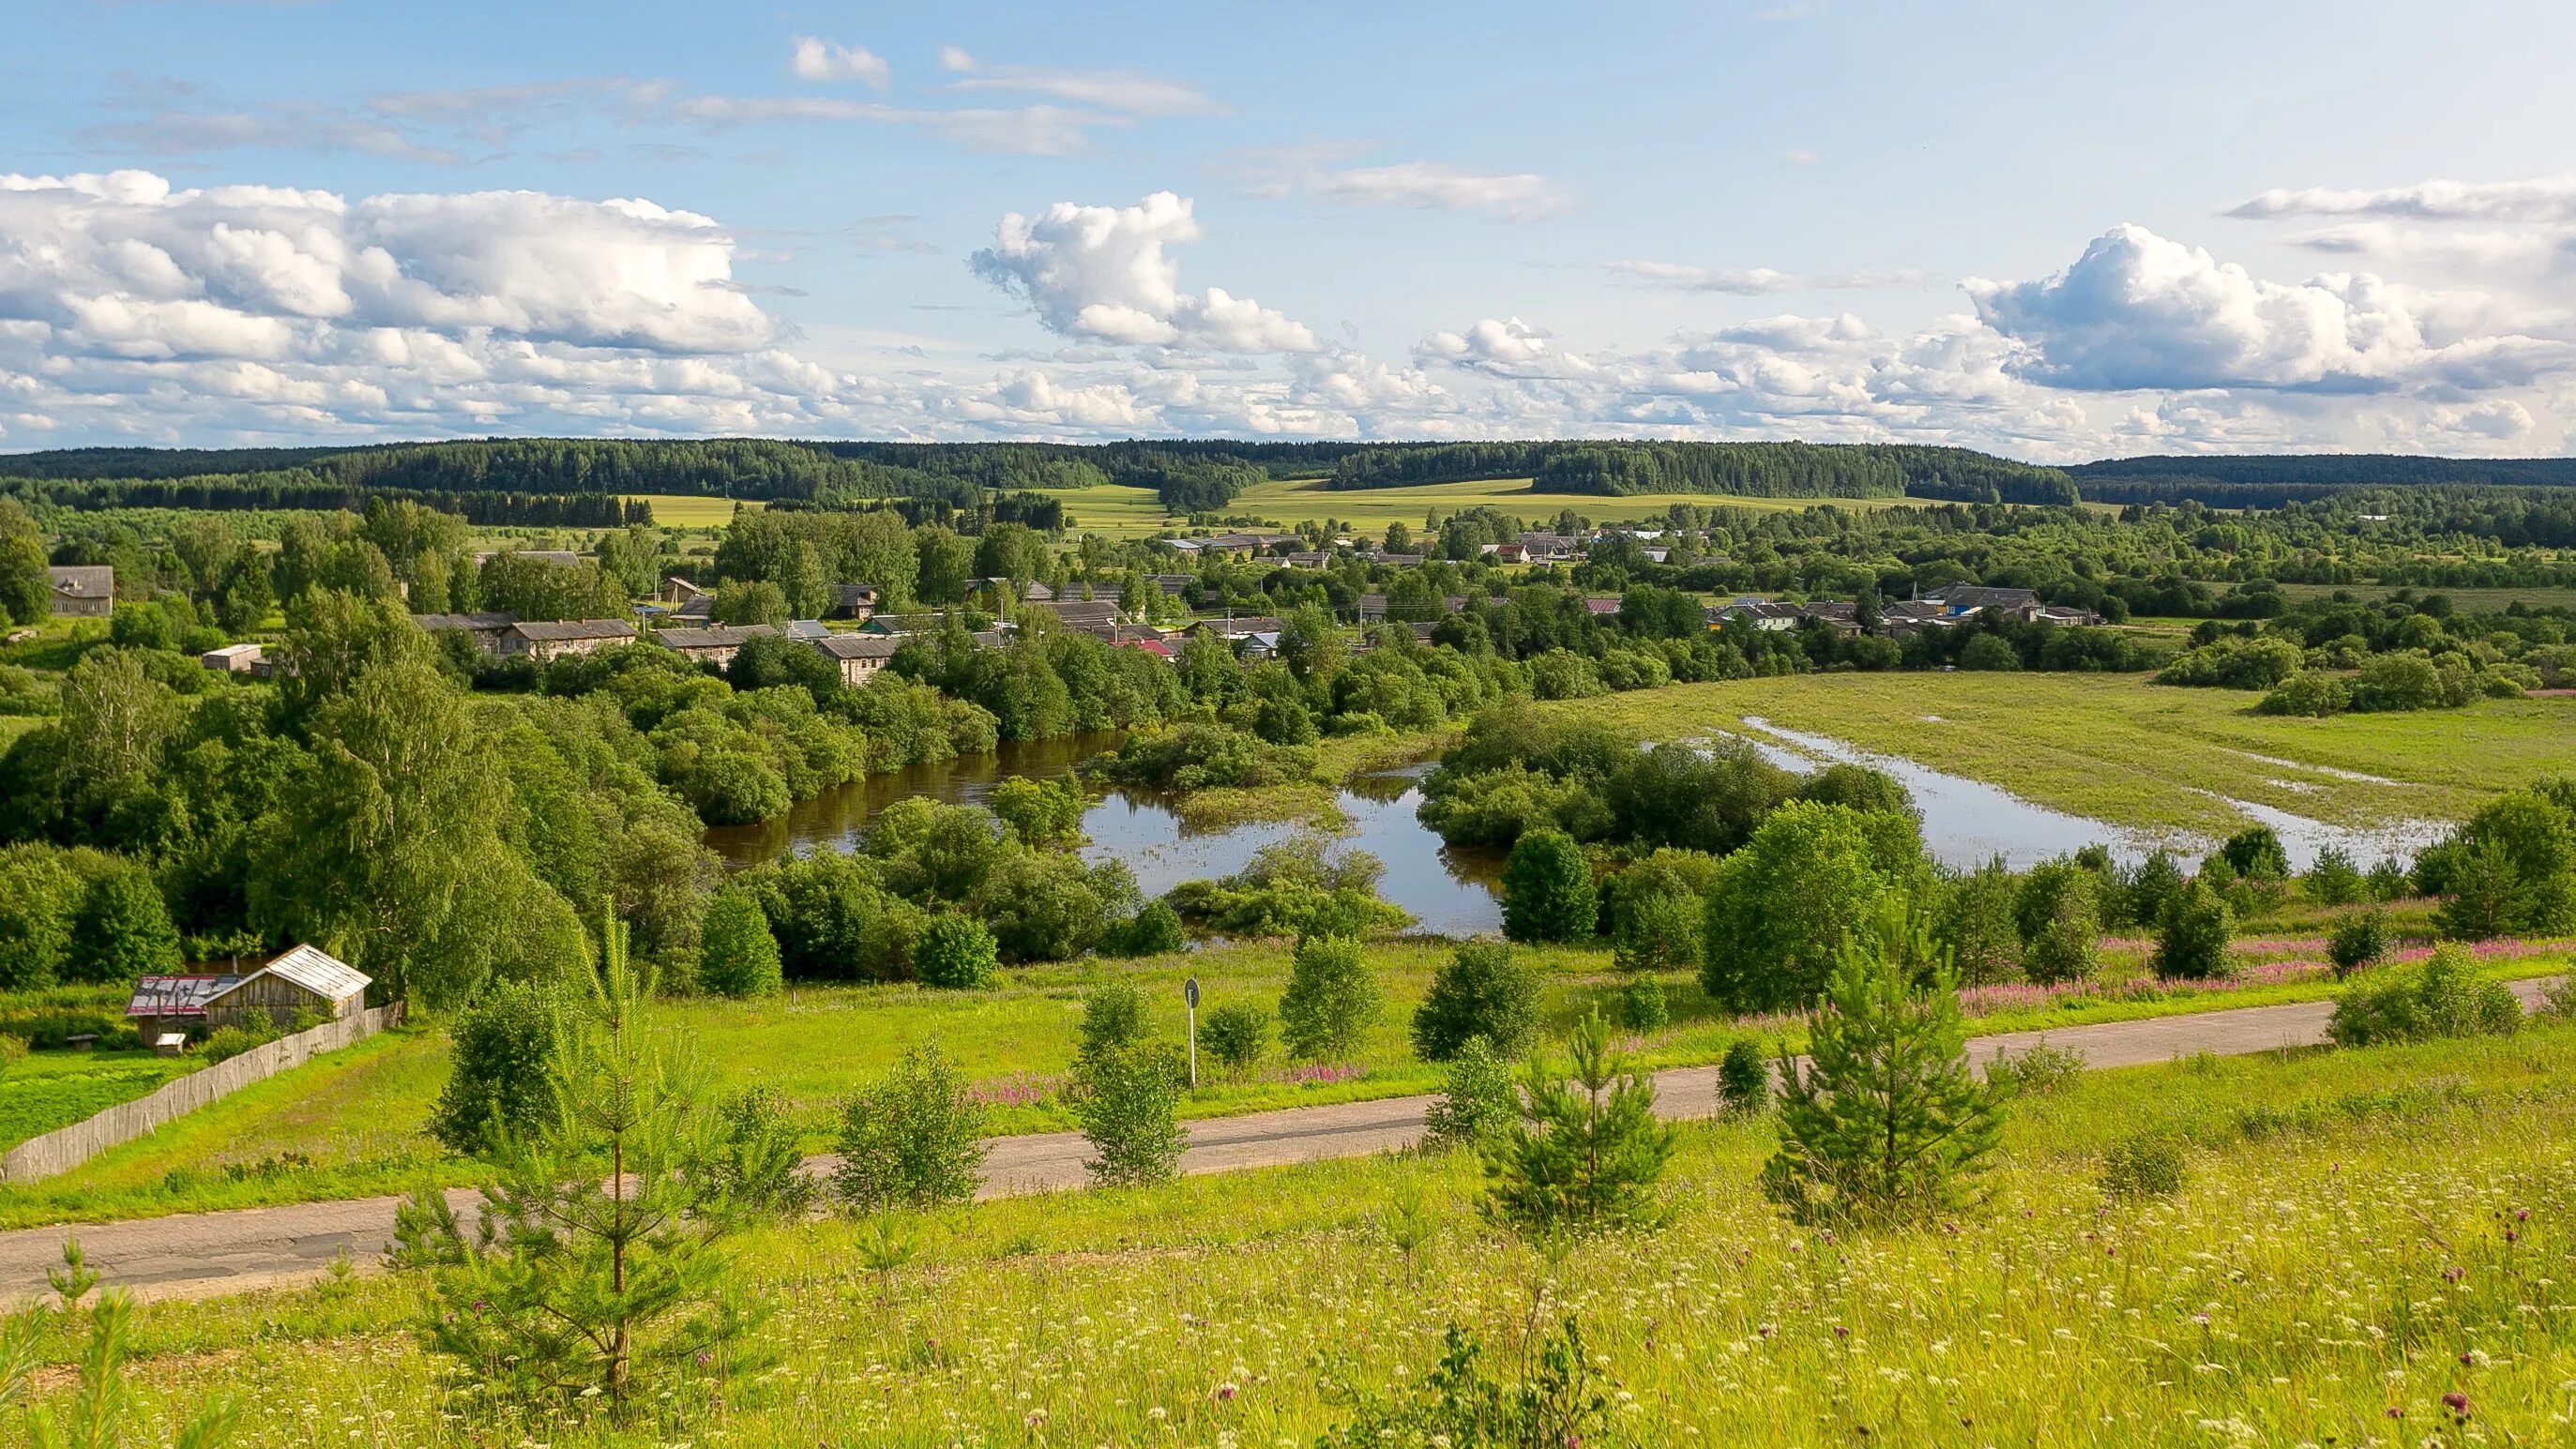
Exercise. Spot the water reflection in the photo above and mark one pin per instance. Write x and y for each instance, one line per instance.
(1967, 822)
(1448, 892)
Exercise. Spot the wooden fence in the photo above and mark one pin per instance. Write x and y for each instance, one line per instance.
(65, 1148)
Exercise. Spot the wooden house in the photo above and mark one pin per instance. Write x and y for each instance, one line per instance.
(859, 656)
(304, 980)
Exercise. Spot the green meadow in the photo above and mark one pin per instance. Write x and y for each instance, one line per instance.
(2367, 1247)
(2122, 749)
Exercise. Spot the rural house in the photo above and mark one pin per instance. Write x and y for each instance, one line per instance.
(714, 645)
(546, 640)
(304, 980)
(483, 631)
(231, 659)
(860, 656)
(83, 591)
(1082, 616)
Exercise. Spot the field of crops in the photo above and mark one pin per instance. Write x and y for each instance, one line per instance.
(682, 510)
(2122, 749)
(1119, 512)
(2367, 1247)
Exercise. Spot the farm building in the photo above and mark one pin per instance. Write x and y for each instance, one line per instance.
(231, 659)
(1082, 616)
(83, 591)
(303, 980)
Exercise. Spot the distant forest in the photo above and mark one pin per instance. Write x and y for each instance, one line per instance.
(573, 482)
(2277, 480)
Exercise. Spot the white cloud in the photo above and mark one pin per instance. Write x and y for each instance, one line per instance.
(822, 60)
(1039, 130)
(2541, 199)
(2139, 311)
(1122, 92)
(1507, 347)
(1754, 281)
(1101, 273)
(953, 58)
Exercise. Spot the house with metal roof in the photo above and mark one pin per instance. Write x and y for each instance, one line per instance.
(544, 639)
(83, 591)
(304, 981)
(715, 645)
(859, 656)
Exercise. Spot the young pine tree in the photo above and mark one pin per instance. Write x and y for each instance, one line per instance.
(597, 1268)
(1888, 1120)
(1586, 1156)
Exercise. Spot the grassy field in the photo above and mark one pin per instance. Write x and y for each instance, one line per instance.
(351, 1124)
(1120, 512)
(685, 510)
(46, 1090)
(2121, 749)
(2360, 1234)
(2479, 600)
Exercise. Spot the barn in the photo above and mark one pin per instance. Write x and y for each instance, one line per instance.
(305, 979)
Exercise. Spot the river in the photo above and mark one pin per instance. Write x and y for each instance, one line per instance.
(1450, 891)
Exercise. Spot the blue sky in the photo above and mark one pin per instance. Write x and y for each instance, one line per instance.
(2052, 231)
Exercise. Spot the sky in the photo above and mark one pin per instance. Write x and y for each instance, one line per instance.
(2051, 231)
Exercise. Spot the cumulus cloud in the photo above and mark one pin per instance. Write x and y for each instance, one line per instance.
(1507, 347)
(816, 59)
(954, 58)
(1754, 281)
(2139, 311)
(123, 264)
(1101, 273)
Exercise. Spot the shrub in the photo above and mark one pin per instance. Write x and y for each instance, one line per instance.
(2307, 692)
(2445, 995)
(2389, 880)
(1547, 889)
(1887, 1122)
(2144, 1165)
(2333, 880)
(1113, 1019)
(737, 955)
(752, 1159)
(1128, 1106)
(2192, 946)
(2059, 921)
(498, 1064)
(1479, 991)
(1291, 889)
(1039, 812)
(956, 952)
(1154, 931)
(2359, 941)
(1331, 1001)
(1642, 1007)
(1236, 1035)
(2037, 1072)
(910, 1137)
(1654, 910)
(227, 1042)
(1743, 1079)
(1585, 1156)
(1477, 1098)
(2255, 853)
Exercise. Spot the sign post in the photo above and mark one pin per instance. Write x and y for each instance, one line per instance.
(1190, 994)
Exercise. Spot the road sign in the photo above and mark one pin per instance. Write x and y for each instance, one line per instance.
(1190, 992)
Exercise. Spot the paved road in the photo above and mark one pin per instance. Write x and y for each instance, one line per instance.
(202, 1255)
